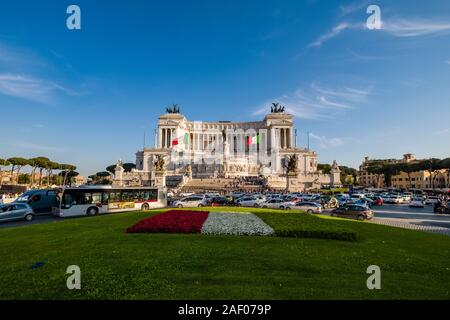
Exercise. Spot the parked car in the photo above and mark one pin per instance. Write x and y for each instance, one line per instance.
(416, 202)
(248, 202)
(16, 211)
(366, 202)
(190, 202)
(309, 207)
(431, 200)
(377, 201)
(353, 212)
(274, 204)
(219, 201)
(395, 199)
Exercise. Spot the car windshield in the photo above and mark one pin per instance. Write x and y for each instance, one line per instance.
(23, 198)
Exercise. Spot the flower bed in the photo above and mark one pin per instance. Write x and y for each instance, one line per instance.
(231, 223)
(173, 221)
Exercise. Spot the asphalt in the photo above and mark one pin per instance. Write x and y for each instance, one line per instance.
(389, 213)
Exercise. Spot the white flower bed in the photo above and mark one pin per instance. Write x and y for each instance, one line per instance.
(234, 223)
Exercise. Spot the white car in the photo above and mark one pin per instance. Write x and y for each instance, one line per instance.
(396, 199)
(249, 202)
(309, 207)
(274, 204)
(416, 202)
(190, 202)
(431, 200)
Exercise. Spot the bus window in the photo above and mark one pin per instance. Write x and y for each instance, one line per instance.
(67, 201)
(127, 196)
(87, 199)
(105, 198)
(96, 197)
(114, 196)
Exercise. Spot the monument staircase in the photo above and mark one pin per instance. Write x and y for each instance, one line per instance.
(221, 185)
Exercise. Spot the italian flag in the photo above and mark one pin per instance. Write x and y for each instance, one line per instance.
(178, 140)
(253, 140)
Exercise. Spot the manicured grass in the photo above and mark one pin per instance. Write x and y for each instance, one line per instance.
(302, 225)
(118, 265)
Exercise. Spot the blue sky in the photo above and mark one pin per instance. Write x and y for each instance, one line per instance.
(87, 96)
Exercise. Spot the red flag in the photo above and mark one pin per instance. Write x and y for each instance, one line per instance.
(175, 142)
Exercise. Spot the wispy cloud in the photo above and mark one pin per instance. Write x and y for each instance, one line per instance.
(331, 34)
(327, 142)
(318, 102)
(398, 27)
(353, 7)
(415, 27)
(447, 62)
(31, 88)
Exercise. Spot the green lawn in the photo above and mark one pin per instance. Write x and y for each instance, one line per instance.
(117, 265)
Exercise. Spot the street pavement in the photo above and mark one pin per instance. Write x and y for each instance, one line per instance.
(400, 215)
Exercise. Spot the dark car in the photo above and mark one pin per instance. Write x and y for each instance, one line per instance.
(353, 212)
(219, 201)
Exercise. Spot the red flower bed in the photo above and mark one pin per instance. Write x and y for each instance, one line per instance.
(174, 221)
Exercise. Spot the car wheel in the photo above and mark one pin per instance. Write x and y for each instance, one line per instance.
(256, 205)
(29, 217)
(361, 218)
(309, 211)
(92, 211)
(288, 208)
(180, 206)
(200, 205)
(145, 207)
(265, 207)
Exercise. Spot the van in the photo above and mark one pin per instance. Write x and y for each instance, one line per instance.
(40, 200)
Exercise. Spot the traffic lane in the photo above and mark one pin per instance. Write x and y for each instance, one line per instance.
(420, 216)
(36, 220)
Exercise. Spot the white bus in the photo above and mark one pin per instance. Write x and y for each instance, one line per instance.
(93, 200)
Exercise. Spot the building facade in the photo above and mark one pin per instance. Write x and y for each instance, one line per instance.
(202, 150)
(421, 179)
(368, 179)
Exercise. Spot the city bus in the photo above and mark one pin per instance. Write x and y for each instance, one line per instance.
(93, 200)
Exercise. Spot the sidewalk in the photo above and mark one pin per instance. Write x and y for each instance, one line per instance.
(410, 224)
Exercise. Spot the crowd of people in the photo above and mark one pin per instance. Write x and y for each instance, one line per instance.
(8, 197)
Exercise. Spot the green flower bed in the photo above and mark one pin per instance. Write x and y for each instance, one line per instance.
(302, 225)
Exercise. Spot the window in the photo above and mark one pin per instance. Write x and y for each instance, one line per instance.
(114, 196)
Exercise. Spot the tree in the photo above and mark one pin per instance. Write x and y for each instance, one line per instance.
(324, 167)
(377, 170)
(18, 163)
(347, 171)
(3, 163)
(430, 165)
(50, 167)
(36, 163)
(66, 169)
(111, 168)
(445, 164)
(128, 167)
(408, 168)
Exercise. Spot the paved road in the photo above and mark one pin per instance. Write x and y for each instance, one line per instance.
(419, 216)
(36, 220)
(397, 214)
